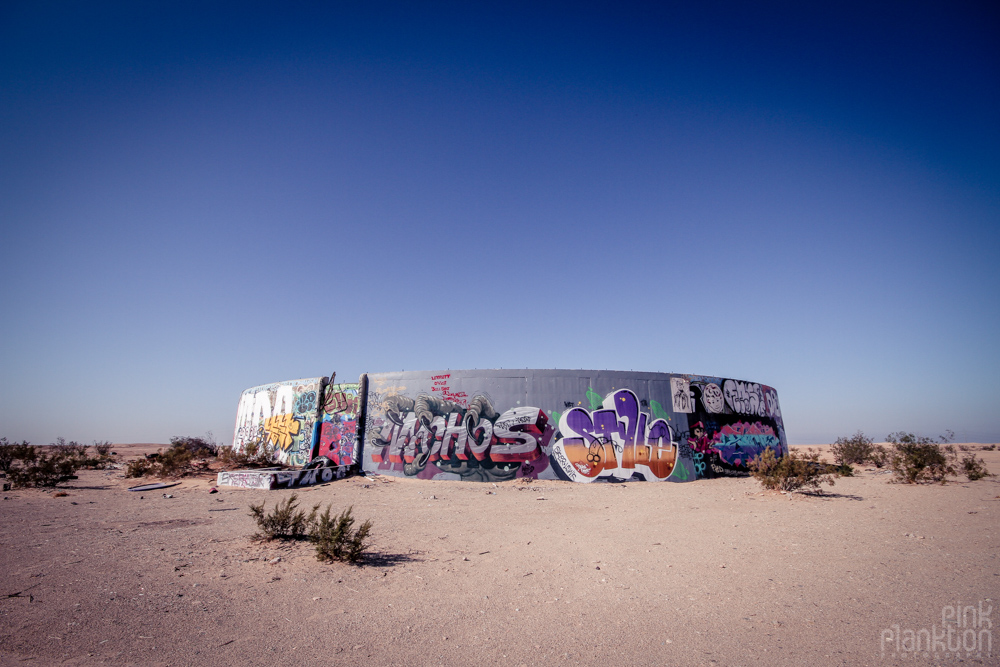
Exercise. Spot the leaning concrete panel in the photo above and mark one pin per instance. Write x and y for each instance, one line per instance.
(339, 424)
(282, 415)
(495, 425)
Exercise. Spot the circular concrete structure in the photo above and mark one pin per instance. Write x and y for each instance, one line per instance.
(583, 426)
(497, 425)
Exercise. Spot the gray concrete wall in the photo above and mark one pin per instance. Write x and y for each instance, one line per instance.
(585, 425)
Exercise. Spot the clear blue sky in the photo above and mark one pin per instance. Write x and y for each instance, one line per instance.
(196, 198)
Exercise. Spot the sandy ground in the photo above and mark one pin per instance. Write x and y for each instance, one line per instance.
(707, 573)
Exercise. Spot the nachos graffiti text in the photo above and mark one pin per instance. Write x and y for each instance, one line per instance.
(428, 429)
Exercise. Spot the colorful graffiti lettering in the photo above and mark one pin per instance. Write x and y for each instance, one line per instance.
(749, 398)
(773, 409)
(555, 425)
(474, 441)
(658, 410)
(340, 398)
(339, 425)
(616, 441)
(281, 430)
(738, 444)
(594, 399)
(281, 415)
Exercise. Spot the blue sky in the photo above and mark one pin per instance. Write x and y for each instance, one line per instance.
(196, 198)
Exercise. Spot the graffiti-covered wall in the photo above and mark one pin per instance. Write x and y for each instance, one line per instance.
(338, 434)
(281, 415)
(729, 422)
(495, 425)
(301, 420)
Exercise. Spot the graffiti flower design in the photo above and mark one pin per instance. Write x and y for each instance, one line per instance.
(306, 402)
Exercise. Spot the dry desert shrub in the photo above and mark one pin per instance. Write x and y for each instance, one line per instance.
(879, 456)
(103, 459)
(251, 455)
(38, 468)
(792, 472)
(855, 449)
(859, 449)
(337, 539)
(185, 456)
(139, 468)
(27, 465)
(285, 521)
(14, 451)
(916, 459)
(199, 447)
(974, 468)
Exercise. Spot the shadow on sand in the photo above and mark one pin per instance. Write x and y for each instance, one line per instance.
(387, 559)
(827, 495)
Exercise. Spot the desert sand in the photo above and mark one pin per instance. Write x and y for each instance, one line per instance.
(714, 572)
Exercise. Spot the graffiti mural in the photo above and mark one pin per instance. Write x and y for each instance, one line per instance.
(281, 415)
(501, 425)
(278, 479)
(737, 444)
(470, 440)
(246, 479)
(616, 441)
(497, 425)
(339, 424)
(731, 423)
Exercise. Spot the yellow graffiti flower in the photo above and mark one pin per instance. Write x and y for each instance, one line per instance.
(281, 429)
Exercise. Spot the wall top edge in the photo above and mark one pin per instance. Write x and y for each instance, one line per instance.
(529, 372)
(312, 380)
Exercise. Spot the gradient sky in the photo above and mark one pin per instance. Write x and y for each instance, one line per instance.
(196, 198)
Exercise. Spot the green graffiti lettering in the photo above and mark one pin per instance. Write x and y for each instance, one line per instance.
(658, 410)
(596, 400)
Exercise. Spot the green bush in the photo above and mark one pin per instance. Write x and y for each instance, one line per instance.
(915, 459)
(139, 468)
(855, 449)
(336, 538)
(13, 451)
(792, 472)
(44, 469)
(974, 468)
(28, 465)
(102, 459)
(174, 462)
(198, 447)
(879, 456)
(72, 450)
(184, 456)
(285, 521)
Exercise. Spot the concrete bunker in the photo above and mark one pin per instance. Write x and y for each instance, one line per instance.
(497, 425)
